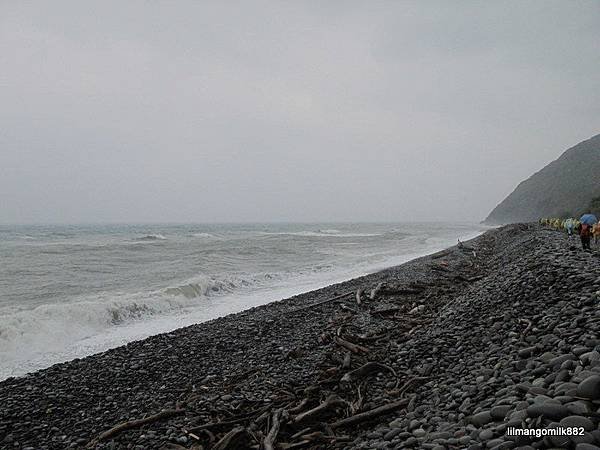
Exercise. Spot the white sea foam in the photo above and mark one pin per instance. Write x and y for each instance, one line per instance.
(152, 298)
(205, 235)
(152, 237)
(321, 234)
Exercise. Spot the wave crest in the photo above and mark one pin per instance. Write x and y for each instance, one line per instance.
(152, 237)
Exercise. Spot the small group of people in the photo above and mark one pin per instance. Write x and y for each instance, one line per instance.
(587, 227)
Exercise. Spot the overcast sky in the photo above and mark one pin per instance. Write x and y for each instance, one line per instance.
(287, 111)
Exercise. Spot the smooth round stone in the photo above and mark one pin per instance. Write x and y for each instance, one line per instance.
(538, 390)
(578, 421)
(482, 418)
(586, 438)
(578, 407)
(541, 398)
(564, 399)
(589, 357)
(589, 388)
(419, 433)
(585, 446)
(578, 351)
(568, 365)
(392, 434)
(486, 435)
(499, 412)
(548, 410)
(499, 444)
(562, 375)
(410, 441)
(547, 357)
(558, 441)
(464, 440)
(526, 352)
(414, 424)
(562, 388)
(439, 435)
(560, 359)
(397, 423)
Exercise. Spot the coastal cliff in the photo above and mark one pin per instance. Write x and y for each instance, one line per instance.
(564, 187)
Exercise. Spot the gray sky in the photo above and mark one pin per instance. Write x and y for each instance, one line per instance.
(298, 111)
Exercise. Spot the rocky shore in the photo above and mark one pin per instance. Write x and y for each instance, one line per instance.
(447, 351)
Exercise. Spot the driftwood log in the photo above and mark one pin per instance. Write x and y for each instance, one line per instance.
(354, 348)
(269, 443)
(327, 407)
(166, 414)
(365, 370)
(359, 294)
(313, 305)
(375, 291)
(235, 439)
(368, 415)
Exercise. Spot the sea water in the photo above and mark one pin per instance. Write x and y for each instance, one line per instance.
(71, 291)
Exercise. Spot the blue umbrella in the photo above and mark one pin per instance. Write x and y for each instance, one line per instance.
(588, 219)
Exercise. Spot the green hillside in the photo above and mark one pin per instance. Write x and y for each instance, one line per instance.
(566, 186)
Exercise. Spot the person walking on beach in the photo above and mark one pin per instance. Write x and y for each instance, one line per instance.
(585, 233)
(587, 221)
(569, 224)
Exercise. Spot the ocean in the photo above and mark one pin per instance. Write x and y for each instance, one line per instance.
(67, 291)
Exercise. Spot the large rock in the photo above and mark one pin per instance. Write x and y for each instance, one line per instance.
(548, 410)
(589, 388)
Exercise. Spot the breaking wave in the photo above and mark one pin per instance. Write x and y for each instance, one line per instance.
(51, 327)
(145, 293)
(321, 233)
(152, 237)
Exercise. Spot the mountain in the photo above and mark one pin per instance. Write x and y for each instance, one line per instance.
(564, 187)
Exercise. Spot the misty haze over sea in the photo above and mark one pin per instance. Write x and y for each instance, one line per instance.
(70, 291)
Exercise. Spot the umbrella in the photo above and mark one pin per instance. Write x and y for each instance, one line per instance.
(588, 219)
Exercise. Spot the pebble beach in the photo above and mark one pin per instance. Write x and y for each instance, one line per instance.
(448, 351)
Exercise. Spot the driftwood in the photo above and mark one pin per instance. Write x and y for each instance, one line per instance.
(288, 446)
(337, 297)
(357, 405)
(347, 308)
(462, 246)
(269, 443)
(233, 421)
(330, 404)
(406, 385)
(376, 291)
(368, 415)
(232, 440)
(135, 424)
(296, 409)
(347, 360)
(354, 348)
(359, 294)
(529, 324)
(366, 369)
(318, 436)
(300, 433)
